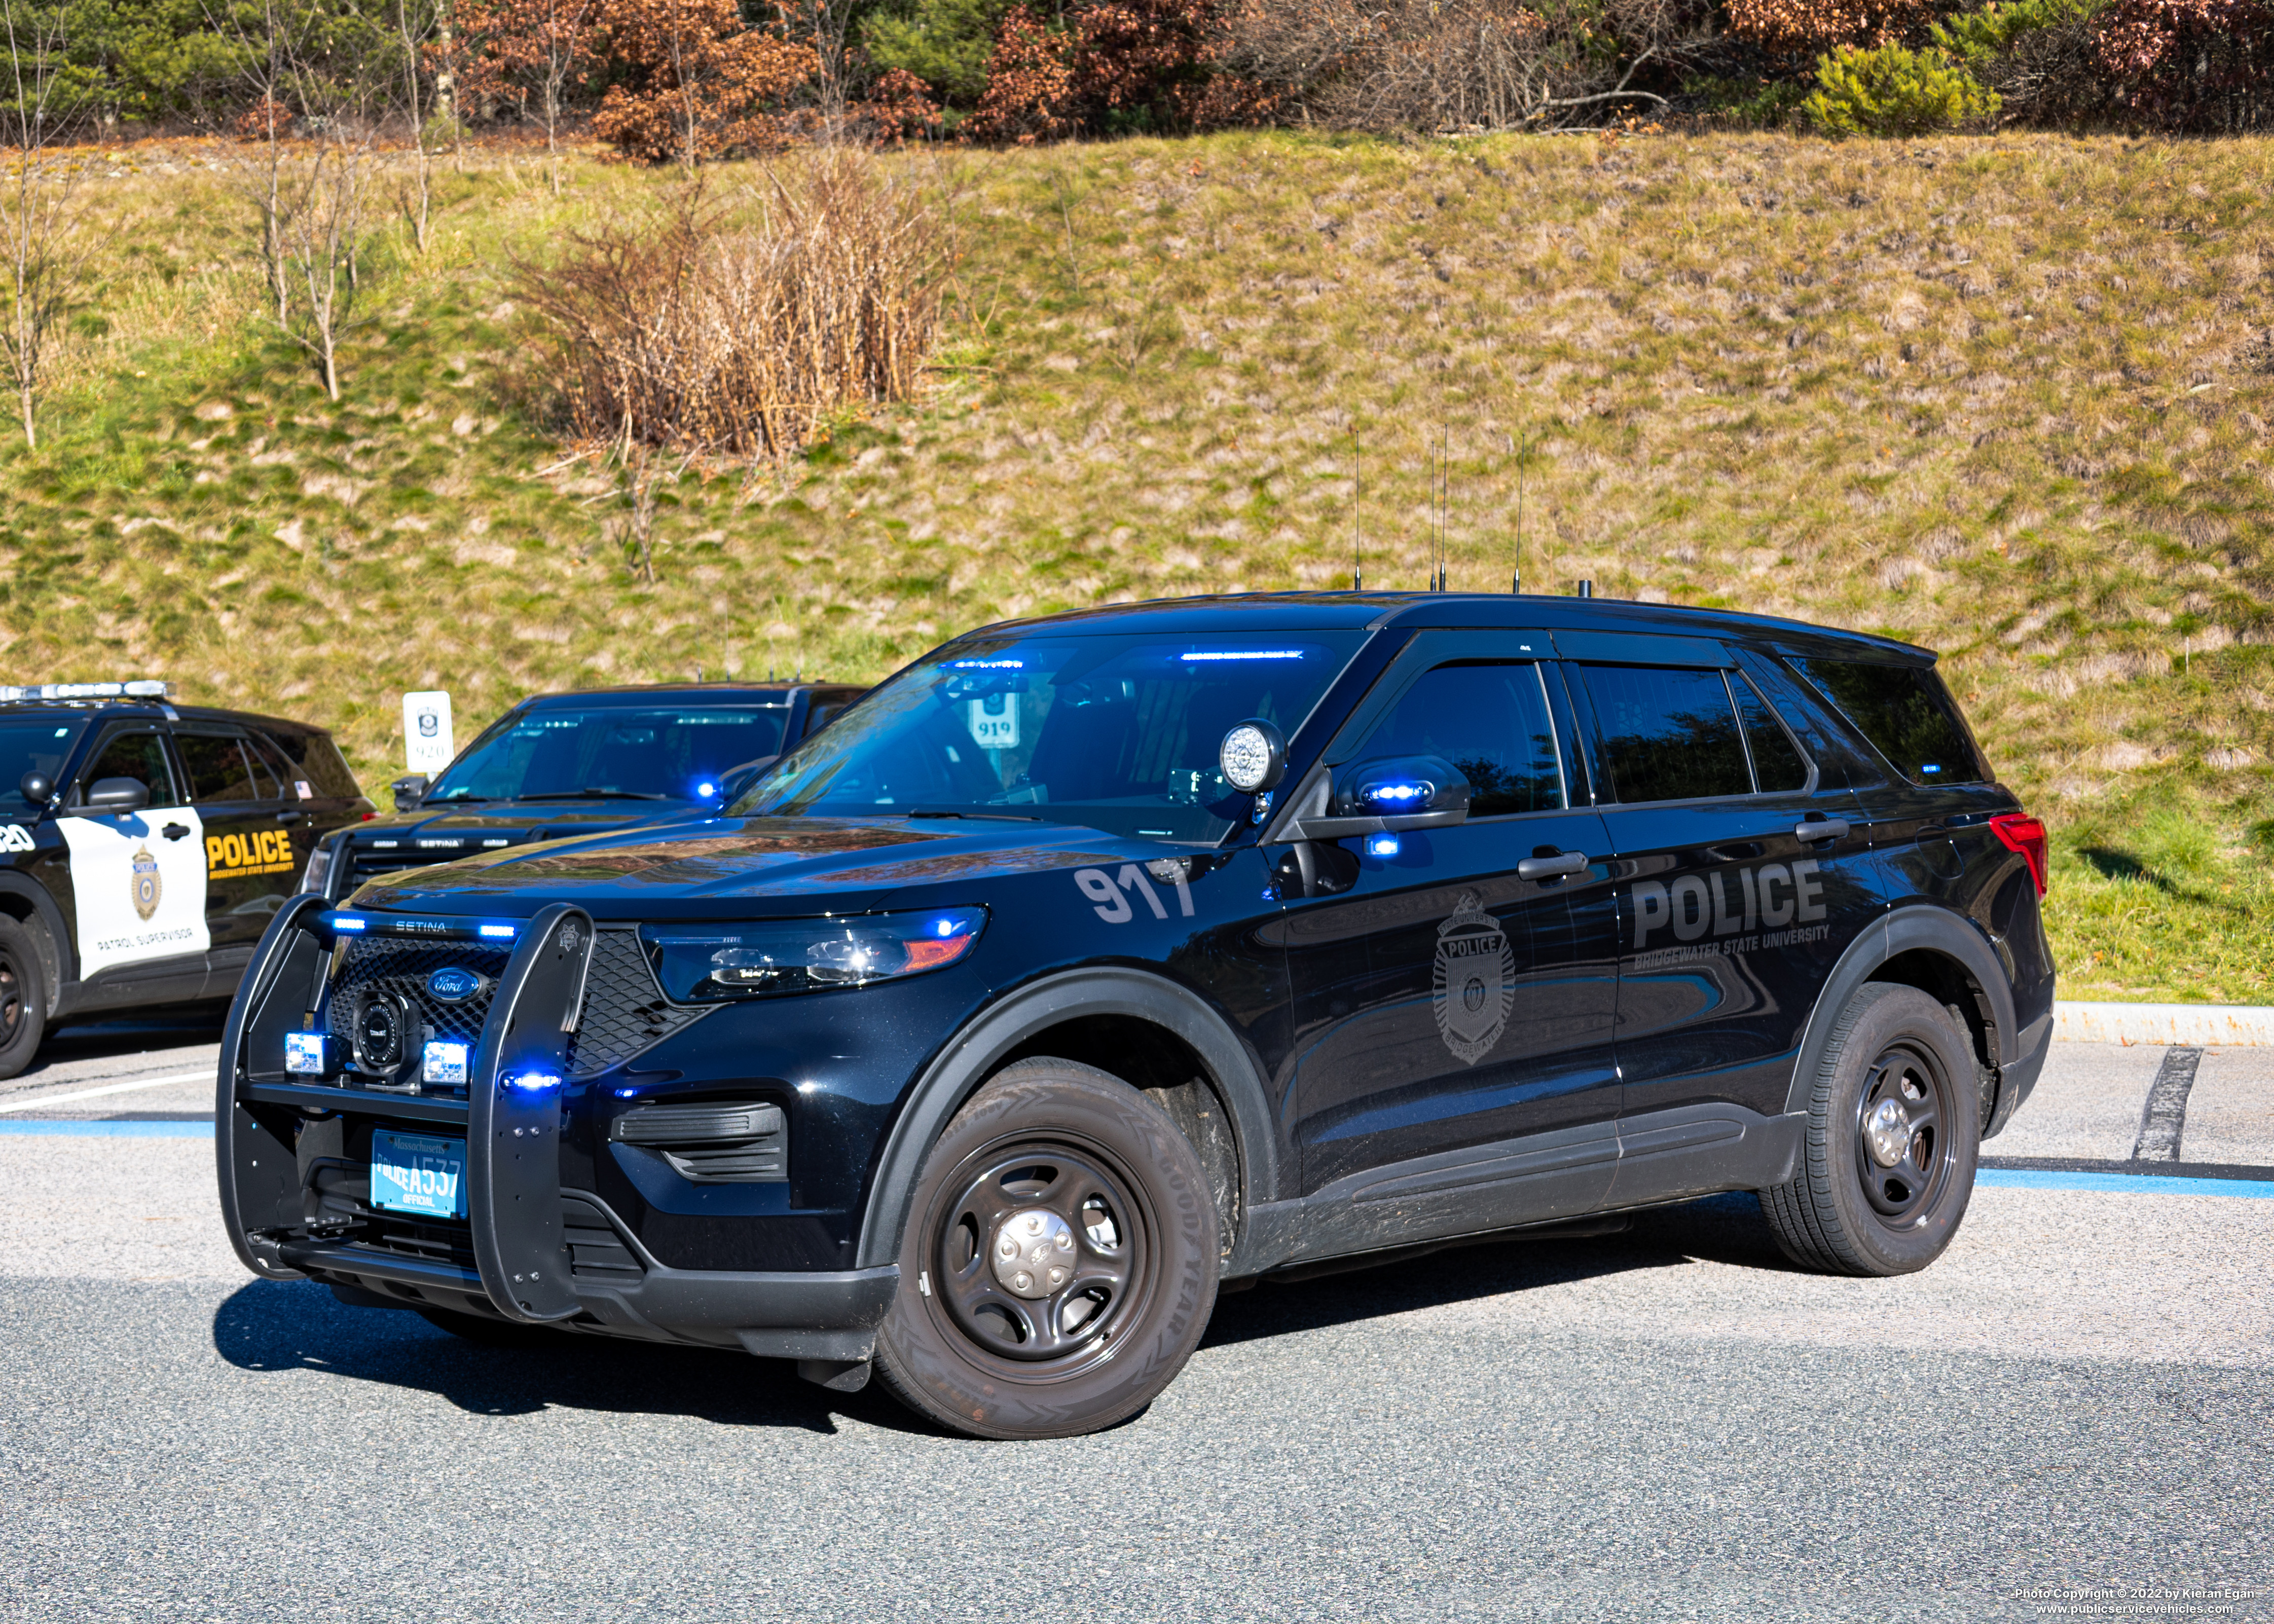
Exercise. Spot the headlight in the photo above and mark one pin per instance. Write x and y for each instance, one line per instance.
(318, 872)
(704, 964)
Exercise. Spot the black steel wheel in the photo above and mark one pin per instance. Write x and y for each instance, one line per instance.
(1060, 1263)
(1893, 1132)
(23, 998)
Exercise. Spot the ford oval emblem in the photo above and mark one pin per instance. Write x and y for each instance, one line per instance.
(452, 985)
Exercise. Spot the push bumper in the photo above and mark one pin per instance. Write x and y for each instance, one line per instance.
(530, 1251)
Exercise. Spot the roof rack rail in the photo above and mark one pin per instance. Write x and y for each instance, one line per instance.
(145, 687)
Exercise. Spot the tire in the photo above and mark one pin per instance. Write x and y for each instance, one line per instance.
(23, 998)
(488, 1333)
(1064, 1163)
(1898, 1080)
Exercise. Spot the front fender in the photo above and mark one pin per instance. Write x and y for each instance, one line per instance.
(978, 1051)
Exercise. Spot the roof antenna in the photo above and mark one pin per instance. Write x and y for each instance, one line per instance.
(1515, 579)
(1357, 573)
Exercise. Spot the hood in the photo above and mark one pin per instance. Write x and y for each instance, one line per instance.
(457, 830)
(743, 867)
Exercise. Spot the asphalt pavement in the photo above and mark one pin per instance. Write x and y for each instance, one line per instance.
(2073, 1409)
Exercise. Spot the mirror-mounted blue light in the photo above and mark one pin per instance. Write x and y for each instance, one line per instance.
(706, 790)
(1398, 793)
(533, 1082)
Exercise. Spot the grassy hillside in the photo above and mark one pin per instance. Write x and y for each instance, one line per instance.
(2009, 397)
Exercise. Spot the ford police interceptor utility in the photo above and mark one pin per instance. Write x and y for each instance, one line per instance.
(1093, 965)
(144, 846)
(563, 764)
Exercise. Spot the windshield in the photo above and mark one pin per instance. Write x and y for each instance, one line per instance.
(32, 744)
(1114, 731)
(611, 753)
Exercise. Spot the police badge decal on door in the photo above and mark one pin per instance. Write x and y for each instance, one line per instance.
(1475, 982)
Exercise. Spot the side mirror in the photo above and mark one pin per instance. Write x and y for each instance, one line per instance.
(118, 796)
(409, 791)
(1252, 756)
(734, 781)
(1373, 797)
(35, 787)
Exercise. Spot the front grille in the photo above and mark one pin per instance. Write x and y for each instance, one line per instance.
(624, 1014)
(624, 1011)
(389, 963)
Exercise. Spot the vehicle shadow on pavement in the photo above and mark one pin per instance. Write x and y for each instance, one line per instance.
(1723, 1228)
(185, 1026)
(276, 1326)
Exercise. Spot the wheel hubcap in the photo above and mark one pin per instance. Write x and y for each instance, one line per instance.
(1034, 1254)
(1888, 1133)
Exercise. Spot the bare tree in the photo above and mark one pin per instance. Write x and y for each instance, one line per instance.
(327, 225)
(266, 43)
(416, 23)
(532, 47)
(46, 251)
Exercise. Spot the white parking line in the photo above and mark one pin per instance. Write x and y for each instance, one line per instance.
(39, 1101)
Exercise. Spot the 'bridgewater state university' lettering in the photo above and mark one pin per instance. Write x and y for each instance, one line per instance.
(1729, 900)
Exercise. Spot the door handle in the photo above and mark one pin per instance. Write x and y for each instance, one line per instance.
(1552, 867)
(1809, 832)
(289, 817)
(174, 832)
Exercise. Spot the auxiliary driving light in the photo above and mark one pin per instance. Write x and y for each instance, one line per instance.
(445, 1064)
(304, 1053)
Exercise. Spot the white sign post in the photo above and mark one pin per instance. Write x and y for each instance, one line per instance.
(427, 745)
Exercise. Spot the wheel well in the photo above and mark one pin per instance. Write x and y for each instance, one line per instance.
(1168, 1070)
(1950, 984)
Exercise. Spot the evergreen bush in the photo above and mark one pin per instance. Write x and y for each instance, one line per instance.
(1892, 90)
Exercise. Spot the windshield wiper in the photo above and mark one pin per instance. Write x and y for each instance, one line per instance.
(595, 794)
(1008, 817)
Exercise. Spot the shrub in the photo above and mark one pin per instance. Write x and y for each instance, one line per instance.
(697, 82)
(1031, 94)
(1890, 90)
(1455, 64)
(1116, 65)
(1808, 27)
(946, 43)
(736, 327)
(2192, 64)
(2039, 55)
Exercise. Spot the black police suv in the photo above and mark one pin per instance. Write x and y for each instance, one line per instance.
(143, 847)
(1091, 964)
(563, 764)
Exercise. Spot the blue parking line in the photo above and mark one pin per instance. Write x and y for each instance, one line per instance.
(2121, 1183)
(131, 1130)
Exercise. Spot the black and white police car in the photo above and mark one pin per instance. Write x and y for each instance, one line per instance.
(144, 846)
(579, 763)
(1094, 965)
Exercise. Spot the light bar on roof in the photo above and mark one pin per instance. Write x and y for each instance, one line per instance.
(1210, 656)
(141, 688)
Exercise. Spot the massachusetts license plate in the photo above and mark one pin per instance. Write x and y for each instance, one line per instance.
(412, 1173)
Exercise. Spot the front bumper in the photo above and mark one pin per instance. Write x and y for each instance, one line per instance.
(529, 1250)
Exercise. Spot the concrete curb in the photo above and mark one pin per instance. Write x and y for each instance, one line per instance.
(2204, 1026)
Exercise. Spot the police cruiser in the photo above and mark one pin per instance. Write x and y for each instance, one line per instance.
(144, 846)
(1094, 965)
(563, 764)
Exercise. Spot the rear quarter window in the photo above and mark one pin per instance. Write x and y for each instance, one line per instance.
(320, 763)
(1907, 715)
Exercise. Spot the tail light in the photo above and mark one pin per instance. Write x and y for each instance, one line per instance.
(2024, 834)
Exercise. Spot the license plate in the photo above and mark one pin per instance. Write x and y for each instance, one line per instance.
(412, 1173)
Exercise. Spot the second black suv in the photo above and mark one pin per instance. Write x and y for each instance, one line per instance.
(583, 763)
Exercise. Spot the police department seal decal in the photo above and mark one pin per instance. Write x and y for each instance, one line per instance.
(147, 886)
(1475, 982)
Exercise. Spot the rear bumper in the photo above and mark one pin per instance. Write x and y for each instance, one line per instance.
(528, 1251)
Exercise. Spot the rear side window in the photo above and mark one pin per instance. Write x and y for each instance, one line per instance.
(217, 768)
(1490, 721)
(1668, 733)
(320, 764)
(1777, 763)
(1907, 713)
